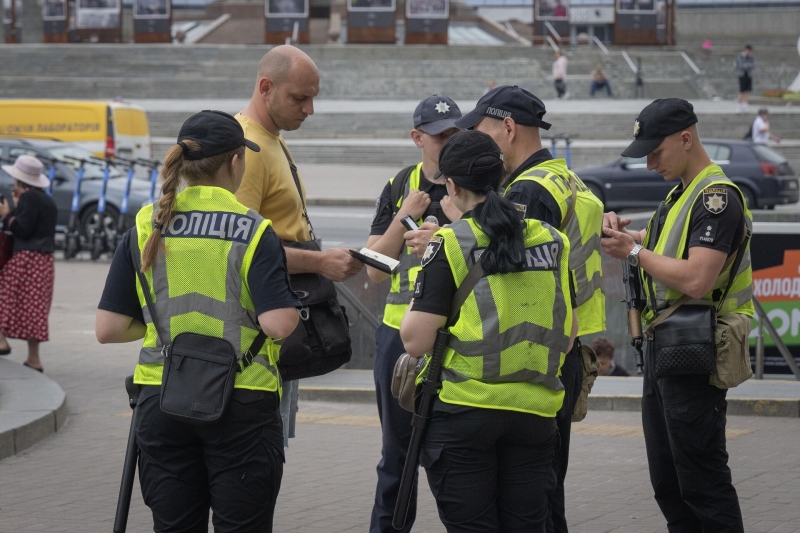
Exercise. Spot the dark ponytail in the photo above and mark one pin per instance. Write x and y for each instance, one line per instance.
(500, 221)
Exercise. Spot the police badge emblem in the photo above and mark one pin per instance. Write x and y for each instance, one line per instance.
(636, 128)
(432, 249)
(715, 199)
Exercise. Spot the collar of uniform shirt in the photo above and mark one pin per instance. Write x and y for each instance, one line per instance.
(536, 159)
(426, 185)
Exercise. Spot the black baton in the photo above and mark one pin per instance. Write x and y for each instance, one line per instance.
(129, 469)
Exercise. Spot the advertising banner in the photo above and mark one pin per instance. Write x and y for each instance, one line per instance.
(776, 285)
(552, 9)
(97, 14)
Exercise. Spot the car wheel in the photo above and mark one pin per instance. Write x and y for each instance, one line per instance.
(93, 222)
(749, 198)
(770, 207)
(596, 191)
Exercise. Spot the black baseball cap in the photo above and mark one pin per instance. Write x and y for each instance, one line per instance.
(436, 114)
(472, 160)
(506, 101)
(216, 133)
(658, 121)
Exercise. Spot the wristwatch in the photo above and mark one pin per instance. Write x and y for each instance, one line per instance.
(633, 255)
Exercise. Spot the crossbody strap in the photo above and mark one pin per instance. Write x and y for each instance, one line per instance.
(473, 276)
(733, 262)
(296, 177)
(573, 187)
(136, 256)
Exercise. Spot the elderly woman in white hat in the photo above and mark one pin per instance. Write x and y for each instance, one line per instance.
(26, 281)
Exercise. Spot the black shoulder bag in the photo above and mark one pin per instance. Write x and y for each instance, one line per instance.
(321, 343)
(199, 370)
(683, 336)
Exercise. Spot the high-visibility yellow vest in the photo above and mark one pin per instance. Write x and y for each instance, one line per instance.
(508, 344)
(200, 284)
(584, 231)
(672, 241)
(404, 278)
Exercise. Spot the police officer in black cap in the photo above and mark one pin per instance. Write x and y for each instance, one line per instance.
(544, 189)
(420, 192)
(695, 245)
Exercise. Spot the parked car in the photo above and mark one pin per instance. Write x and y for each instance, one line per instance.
(64, 184)
(764, 176)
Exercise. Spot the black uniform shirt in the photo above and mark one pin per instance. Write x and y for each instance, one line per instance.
(268, 279)
(383, 207)
(539, 203)
(716, 223)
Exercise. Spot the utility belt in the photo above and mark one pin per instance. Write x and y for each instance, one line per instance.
(240, 395)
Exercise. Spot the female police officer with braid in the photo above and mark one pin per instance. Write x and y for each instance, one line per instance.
(213, 268)
(488, 448)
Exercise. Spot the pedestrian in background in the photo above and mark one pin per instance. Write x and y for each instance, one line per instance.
(604, 350)
(491, 85)
(760, 132)
(489, 445)
(745, 65)
(418, 191)
(26, 281)
(229, 285)
(560, 75)
(286, 85)
(687, 249)
(599, 81)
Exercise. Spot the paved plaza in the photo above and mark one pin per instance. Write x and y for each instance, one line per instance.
(69, 481)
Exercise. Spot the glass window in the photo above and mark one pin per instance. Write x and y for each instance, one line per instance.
(634, 162)
(92, 171)
(768, 155)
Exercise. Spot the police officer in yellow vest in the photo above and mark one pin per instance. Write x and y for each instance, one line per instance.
(415, 191)
(215, 268)
(541, 189)
(488, 448)
(702, 223)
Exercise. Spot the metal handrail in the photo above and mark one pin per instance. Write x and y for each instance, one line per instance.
(552, 43)
(764, 321)
(691, 63)
(600, 44)
(552, 30)
(362, 309)
(630, 62)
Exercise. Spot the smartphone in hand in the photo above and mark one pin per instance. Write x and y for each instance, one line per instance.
(409, 223)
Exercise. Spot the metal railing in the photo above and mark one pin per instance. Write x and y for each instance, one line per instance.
(363, 312)
(765, 323)
(599, 44)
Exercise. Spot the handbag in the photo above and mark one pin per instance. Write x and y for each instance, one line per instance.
(684, 337)
(6, 247)
(199, 370)
(321, 343)
(589, 367)
(407, 368)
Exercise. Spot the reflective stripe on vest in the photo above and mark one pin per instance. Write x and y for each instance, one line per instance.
(508, 344)
(202, 287)
(672, 242)
(584, 233)
(404, 278)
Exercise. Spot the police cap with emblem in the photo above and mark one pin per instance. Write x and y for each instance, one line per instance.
(216, 133)
(507, 101)
(436, 114)
(658, 121)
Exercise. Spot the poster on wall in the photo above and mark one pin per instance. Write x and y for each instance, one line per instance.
(371, 5)
(552, 9)
(286, 8)
(98, 14)
(151, 9)
(54, 10)
(428, 9)
(636, 7)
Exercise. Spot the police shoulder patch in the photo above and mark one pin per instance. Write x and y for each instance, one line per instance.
(715, 199)
(377, 208)
(521, 209)
(433, 248)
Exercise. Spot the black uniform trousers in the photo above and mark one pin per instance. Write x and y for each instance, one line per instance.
(396, 426)
(572, 379)
(490, 469)
(232, 466)
(684, 430)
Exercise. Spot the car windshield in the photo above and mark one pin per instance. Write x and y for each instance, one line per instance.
(634, 162)
(768, 154)
(92, 171)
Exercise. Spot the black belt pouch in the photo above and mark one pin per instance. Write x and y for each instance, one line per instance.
(199, 372)
(684, 342)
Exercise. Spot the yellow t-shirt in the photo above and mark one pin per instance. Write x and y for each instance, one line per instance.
(268, 186)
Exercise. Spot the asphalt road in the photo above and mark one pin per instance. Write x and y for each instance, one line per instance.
(345, 227)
